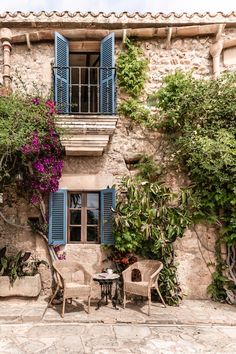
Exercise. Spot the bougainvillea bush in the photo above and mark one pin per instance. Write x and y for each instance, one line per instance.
(31, 155)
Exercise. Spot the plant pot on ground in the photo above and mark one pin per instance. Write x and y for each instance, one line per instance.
(19, 274)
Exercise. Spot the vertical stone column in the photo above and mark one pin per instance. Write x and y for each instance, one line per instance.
(215, 51)
(5, 36)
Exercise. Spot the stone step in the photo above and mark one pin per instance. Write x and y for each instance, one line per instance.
(84, 151)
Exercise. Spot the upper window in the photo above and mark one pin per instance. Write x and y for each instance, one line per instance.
(81, 217)
(84, 83)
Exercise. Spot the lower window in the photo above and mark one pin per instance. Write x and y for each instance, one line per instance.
(83, 217)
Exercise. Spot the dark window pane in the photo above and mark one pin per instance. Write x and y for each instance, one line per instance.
(92, 200)
(75, 234)
(92, 217)
(92, 234)
(75, 217)
(75, 200)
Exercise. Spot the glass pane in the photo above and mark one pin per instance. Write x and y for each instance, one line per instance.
(92, 217)
(92, 200)
(92, 234)
(75, 200)
(75, 217)
(75, 234)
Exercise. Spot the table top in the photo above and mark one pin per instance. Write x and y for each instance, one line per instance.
(105, 276)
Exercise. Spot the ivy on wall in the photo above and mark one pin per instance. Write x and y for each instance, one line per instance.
(131, 69)
(132, 74)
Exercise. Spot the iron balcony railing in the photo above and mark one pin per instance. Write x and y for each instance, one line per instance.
(85, 90)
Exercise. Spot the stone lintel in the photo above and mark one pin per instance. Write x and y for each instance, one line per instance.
(86, 182)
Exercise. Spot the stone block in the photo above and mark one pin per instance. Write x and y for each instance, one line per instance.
(27, 286)
(229, 56)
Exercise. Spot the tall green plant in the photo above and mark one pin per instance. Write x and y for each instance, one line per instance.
(149, 219)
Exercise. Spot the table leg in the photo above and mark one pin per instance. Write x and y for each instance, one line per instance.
(102, 296)
(115, 297)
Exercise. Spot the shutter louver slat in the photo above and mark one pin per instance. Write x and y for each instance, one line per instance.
(57, 217)
(107, 201)
(107, 85)
(61, 89)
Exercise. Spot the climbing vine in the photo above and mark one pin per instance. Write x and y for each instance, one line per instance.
(131, 69)
(132, 74)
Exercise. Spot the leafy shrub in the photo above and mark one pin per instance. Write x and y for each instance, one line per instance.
(20, 265)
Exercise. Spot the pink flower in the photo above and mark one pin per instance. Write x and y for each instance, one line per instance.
(36, 101)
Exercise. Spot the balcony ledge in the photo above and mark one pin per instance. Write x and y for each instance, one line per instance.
(86, 135)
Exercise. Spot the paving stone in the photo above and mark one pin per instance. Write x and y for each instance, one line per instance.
(61, 330)
(71, 344)
(33, 346)
(106, 341)
(112, 351)
(133, 333)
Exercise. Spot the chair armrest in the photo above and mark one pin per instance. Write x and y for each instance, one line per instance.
(87, 278)
(157, 271)
(60, 279)
(154, 277)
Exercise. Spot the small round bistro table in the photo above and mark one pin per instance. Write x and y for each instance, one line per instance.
(106, 281)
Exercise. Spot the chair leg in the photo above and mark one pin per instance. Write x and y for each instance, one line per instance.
(89, 304)
(159, 293)
(51, 300)
(53, 296)
(124, 300)
(149, 304)
(63, 306)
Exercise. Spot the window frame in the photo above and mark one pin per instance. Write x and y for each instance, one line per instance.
(84, 223)
(106, 96)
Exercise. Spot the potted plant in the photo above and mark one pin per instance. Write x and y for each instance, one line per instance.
(19, 274)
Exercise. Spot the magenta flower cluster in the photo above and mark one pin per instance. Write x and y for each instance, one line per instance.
(44, 154)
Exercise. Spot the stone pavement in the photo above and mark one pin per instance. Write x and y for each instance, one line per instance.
(193, 327)
(190, 312)
(87, 338)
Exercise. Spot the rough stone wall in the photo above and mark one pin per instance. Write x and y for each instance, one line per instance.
(32, 70)
(1, 63)
(184, 54)
(20, 238)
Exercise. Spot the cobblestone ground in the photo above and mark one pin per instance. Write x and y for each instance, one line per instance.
(110, 339)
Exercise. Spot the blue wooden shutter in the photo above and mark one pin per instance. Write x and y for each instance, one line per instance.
(107, 75)
(57, 217)
(61, 73)
(107, 200)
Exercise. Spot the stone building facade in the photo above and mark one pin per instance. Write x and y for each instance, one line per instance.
(203, 43)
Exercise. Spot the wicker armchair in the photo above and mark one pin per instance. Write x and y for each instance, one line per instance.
(149, 271)
(73, 280)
